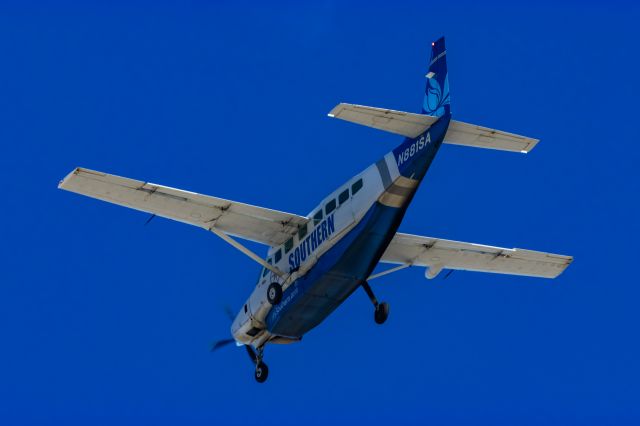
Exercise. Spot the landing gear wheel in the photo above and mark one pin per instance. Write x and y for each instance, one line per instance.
(262, 372)
(381, 313)
(274, 293)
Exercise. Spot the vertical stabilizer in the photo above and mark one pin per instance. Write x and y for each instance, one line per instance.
(436, 98)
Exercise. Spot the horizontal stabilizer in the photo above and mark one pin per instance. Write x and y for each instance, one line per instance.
(411, 125)
(398, 122)
(466, 134)
(441, 254)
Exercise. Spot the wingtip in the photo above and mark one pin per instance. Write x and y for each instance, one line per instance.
(532, 144)
(336, 110)
(63, 182)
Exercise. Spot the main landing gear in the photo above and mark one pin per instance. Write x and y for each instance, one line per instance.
(381, 312)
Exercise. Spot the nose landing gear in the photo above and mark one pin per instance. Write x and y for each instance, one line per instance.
(381, 312)
(262, 371)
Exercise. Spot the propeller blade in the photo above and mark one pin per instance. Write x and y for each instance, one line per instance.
(221, 343)
(250, 351)
(227, 310)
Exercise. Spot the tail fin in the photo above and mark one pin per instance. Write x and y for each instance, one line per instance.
(436, 97)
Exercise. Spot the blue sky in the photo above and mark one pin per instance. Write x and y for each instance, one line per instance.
(106, 321)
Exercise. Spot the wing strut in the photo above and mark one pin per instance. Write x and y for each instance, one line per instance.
(246, 251)
(389, 271)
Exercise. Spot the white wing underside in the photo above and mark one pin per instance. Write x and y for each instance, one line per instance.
(411, 125)
(437, 253)
(249, 222)
(274, 227)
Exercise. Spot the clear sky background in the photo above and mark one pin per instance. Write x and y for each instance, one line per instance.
(106, 321)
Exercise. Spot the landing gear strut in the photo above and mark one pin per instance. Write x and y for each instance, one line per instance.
(262, 371)
(381, 312)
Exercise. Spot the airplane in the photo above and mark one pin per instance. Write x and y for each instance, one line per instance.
(315, 262)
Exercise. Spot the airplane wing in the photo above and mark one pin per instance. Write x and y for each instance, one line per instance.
(411, 125)
(253, 223)
(438, 254)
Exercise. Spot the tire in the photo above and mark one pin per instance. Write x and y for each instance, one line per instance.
(261, 373)
(274, 293)
(381, 313)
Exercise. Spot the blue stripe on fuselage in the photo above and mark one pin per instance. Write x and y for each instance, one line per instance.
(341, 270)
(336, 275)
(414, 155)
(320, 234)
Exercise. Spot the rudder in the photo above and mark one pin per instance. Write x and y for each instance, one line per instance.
(436, 98)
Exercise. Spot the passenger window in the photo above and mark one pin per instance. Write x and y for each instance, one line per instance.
(344, 196)
(278, 256)
(356, 186)
(331, 206)
(288, 245)
(264, 273)
(317, 218)
(302, 232)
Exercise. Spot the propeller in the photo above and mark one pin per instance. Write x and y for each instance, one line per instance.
(224, 342)
(221, 343)
(229, 312)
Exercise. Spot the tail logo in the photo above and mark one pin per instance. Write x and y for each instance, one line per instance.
(436, 98)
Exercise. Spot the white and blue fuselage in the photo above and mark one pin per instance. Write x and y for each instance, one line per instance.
(337, 250)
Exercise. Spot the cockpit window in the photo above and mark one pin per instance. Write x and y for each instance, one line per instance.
(278, 256)
(288, 245)
(317, 218)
